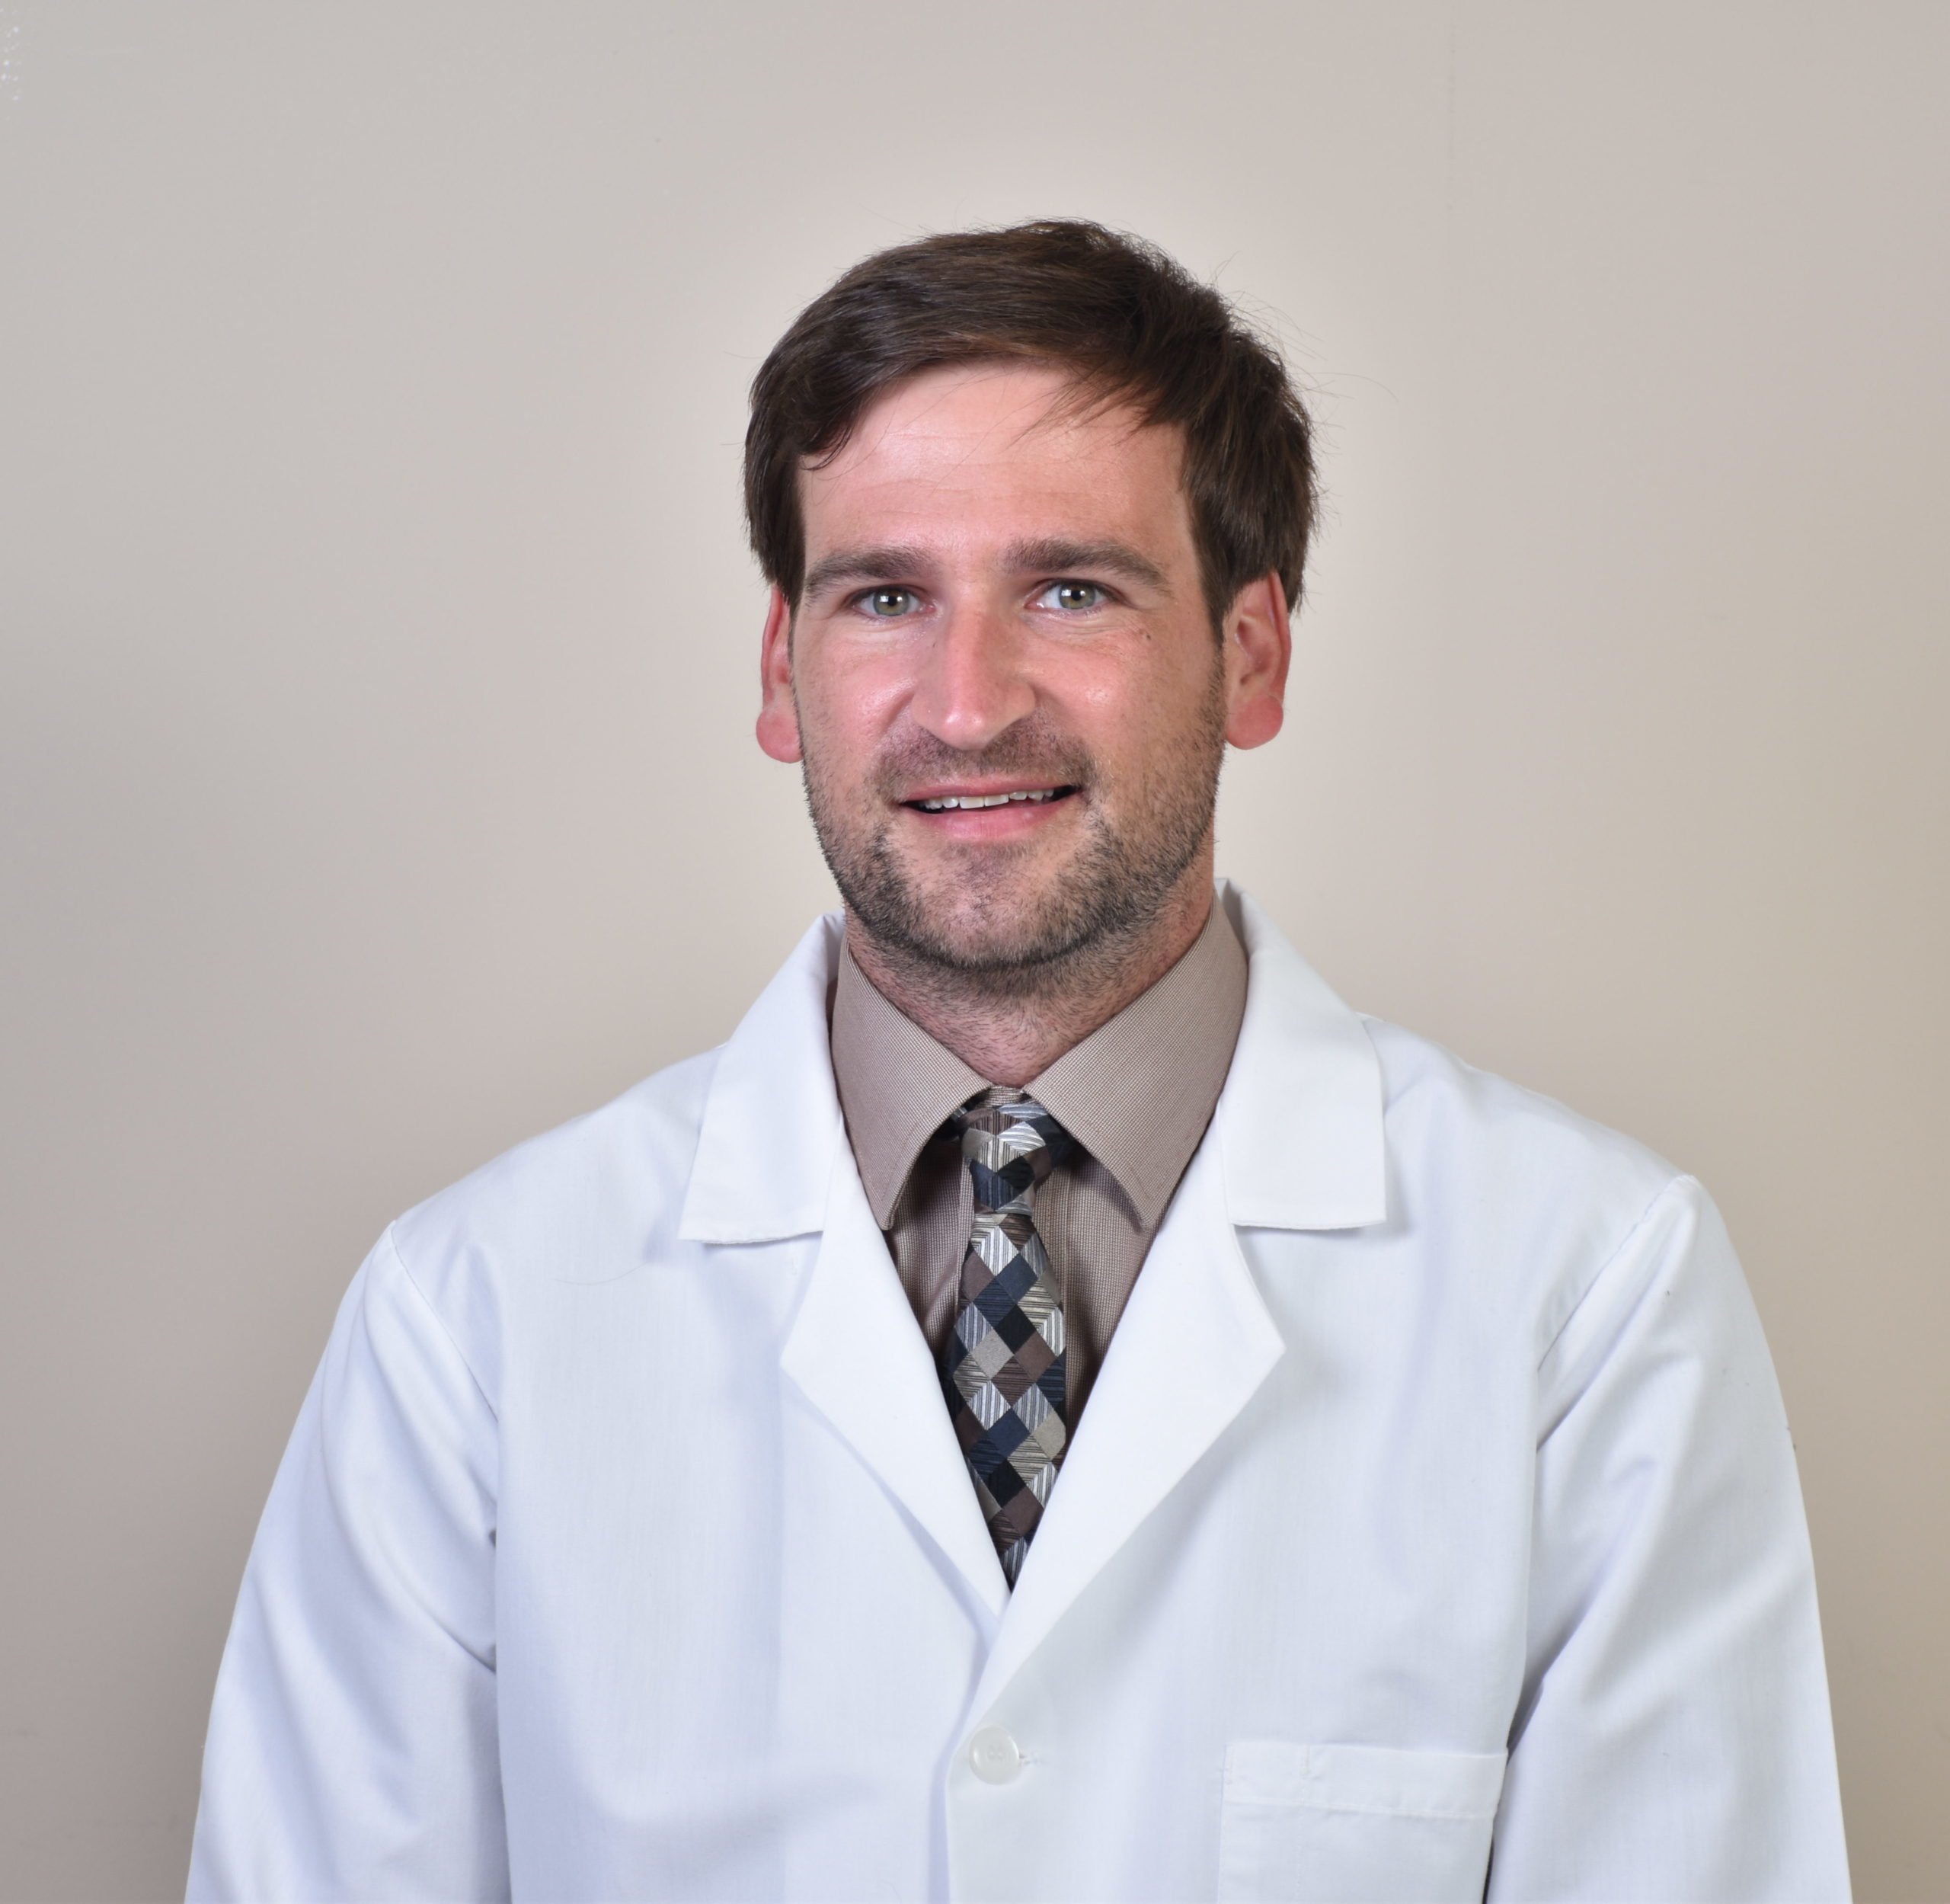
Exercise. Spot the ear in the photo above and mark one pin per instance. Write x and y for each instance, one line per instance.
(1259, 646)
(778, 713)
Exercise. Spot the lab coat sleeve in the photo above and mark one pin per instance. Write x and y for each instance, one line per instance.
(352, 1749)
(1674, 1740)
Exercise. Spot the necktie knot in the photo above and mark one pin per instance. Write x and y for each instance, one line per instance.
(1010, 1146)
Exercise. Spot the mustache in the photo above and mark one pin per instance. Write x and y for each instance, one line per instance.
(1030, 750)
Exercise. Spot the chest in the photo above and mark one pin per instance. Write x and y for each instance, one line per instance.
(712, 1607)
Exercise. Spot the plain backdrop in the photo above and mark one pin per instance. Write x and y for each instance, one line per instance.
(375, 768)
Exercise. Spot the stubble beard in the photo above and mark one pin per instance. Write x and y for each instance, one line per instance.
(999, 922)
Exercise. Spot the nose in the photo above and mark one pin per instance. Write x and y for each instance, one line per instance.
(974, 684)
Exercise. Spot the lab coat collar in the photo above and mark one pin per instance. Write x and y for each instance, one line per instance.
(1299, 1122)
(1298, 1126)
(772, 1130)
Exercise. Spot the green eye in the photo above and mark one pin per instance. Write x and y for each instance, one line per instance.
(1074, 596)
(888, 602)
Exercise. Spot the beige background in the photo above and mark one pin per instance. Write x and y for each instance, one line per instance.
(375, 762)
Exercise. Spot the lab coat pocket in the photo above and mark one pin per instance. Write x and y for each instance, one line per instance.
(1355, 1824)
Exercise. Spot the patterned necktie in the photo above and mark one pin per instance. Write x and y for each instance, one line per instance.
(1003, 1367)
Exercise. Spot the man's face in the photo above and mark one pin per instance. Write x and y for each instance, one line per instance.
(1003, 676)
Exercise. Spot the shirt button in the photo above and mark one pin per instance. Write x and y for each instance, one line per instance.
(994, 1756)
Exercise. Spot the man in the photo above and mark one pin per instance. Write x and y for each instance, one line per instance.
(1058, 1406)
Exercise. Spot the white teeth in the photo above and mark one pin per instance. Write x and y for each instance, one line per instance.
(982, 800)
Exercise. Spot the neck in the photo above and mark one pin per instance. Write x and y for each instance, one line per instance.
(1012, 1025)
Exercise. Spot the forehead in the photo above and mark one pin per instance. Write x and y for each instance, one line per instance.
(1004, 448)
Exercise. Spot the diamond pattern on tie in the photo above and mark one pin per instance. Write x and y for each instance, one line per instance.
(1002, 1370)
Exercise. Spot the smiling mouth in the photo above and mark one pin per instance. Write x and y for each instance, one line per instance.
(947, 802)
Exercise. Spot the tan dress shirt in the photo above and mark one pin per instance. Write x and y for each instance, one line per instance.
(1136, 1095)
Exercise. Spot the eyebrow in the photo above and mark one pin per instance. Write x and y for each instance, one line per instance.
(1047, 555)
(1053, 556)
(881, 564)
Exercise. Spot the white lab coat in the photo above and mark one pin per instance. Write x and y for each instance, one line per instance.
(623, 1549)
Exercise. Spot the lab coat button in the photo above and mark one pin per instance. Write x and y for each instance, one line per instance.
(994, 1756)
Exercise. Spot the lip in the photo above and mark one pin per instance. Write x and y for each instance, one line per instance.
(989, 826)
(982, 789)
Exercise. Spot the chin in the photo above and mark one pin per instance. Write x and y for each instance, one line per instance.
(977, 935)
(1001, 927)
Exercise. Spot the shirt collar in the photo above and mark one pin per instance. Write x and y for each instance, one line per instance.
(897, 1086)
(1137, 1093)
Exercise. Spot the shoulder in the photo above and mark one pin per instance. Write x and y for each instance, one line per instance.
(591, 1199)
(1443, 1108)
(1515, 1181)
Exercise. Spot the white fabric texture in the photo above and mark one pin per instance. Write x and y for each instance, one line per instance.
(623, 1549)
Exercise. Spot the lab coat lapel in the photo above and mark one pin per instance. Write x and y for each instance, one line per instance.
(772, 1161)
(1295, 1143)
(1194, 1343)
(857, 1356)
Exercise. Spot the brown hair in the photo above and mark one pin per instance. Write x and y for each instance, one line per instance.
(1132, 323)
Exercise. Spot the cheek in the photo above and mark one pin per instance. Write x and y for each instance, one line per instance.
(846, 706)
(1137, 707)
